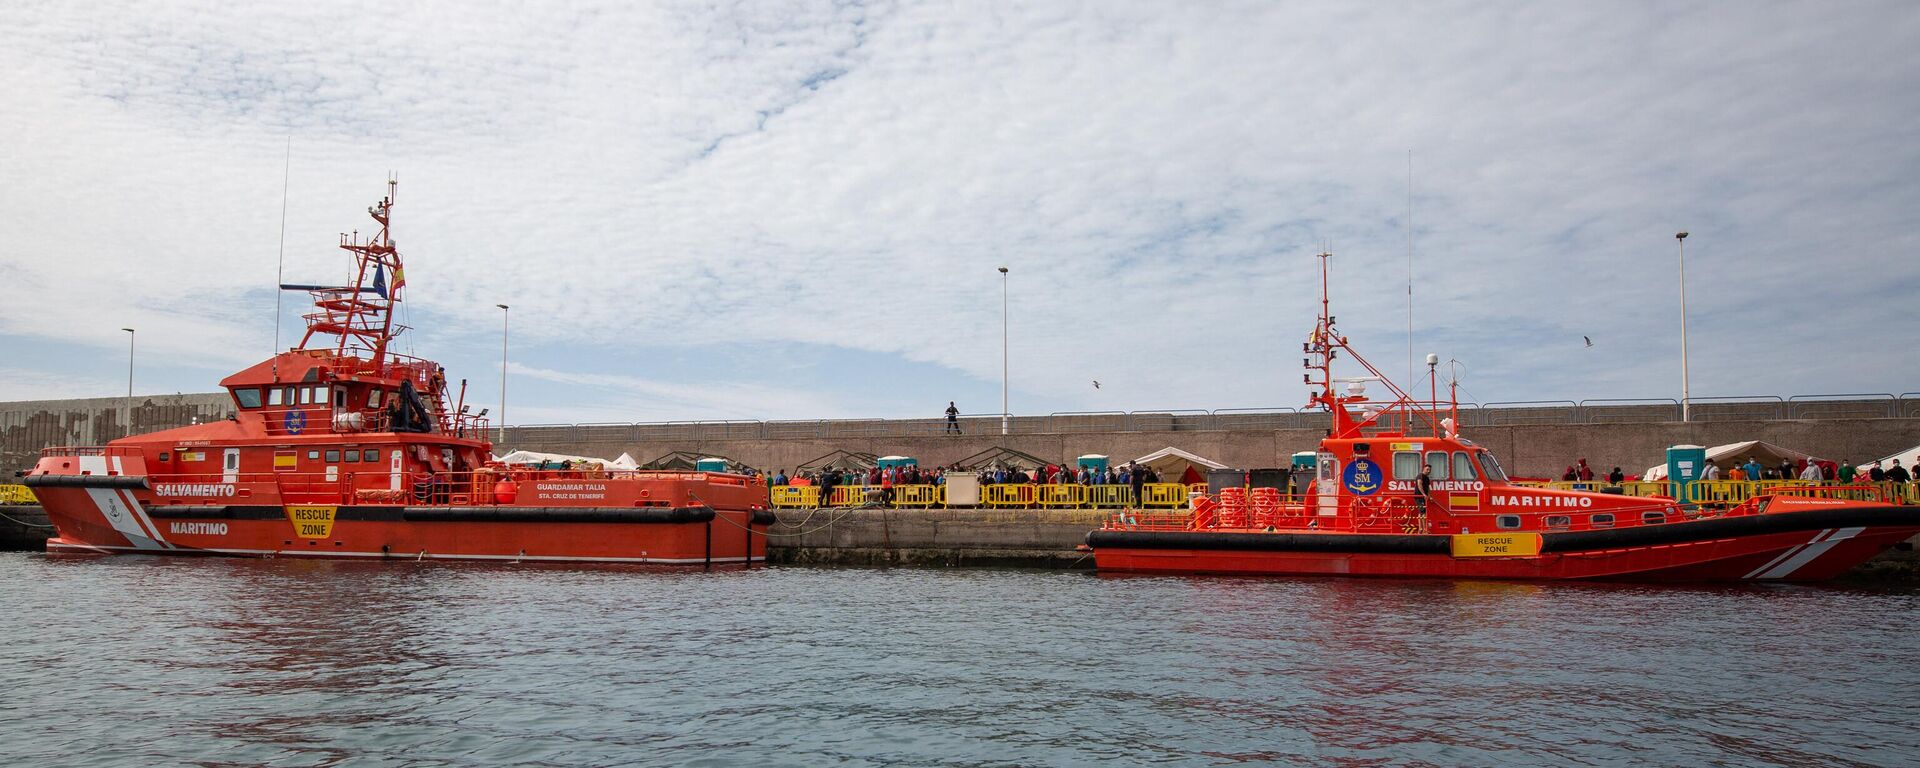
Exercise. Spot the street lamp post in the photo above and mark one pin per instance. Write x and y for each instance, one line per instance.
(1685, 388)
(1006, 414)
(504, 314)
(129, 381)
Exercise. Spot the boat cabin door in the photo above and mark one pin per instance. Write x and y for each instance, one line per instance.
(1327, 484)
(230, 466)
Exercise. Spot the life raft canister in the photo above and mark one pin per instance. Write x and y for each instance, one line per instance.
(505, 491)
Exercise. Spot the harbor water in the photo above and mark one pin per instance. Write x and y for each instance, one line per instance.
(213, 662)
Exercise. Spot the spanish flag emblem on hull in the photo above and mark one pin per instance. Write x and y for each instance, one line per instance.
(1463, 502)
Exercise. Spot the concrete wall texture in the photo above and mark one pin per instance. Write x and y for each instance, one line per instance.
(1528, 450)
(1629, 436)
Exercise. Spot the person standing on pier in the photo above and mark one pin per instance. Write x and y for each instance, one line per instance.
(953, 418)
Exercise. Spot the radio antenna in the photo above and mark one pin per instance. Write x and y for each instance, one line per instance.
(280, 261)
(1409, 267)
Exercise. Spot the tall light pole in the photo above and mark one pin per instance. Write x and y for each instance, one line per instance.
(504, 314)
(1685, 389)
(129, 381)
(1006, 415)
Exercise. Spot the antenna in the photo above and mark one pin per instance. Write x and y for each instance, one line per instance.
(280, 261)
(1409, 267)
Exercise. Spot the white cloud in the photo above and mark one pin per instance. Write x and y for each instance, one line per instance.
(1157, 176)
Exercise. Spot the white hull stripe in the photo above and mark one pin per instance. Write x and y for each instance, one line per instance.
(1790, 552)
(1809, 553)
(121, 510)
(429, 556)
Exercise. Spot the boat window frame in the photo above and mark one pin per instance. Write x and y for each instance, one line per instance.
(1506, 522)
(1558, 521)
(373, 397)
(241, 397)
(313, 455)
(302, 396)
(1463, 461)
(1490, 467)
(333, 455)
(1327, 467)
(350, 456)
(274, 396)
(1653, 517)
(1600, 520)
(1443, 469)
(1397, 456)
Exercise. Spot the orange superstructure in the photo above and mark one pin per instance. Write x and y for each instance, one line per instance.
(1369, 511)
(341, 447)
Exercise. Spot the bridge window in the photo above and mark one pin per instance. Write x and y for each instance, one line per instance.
(274, 396)
(1491, 468)
(1438, 460)
(247, 398)
(1463, 466)
(1602, 520)
(373, 398)
(306, 397)
(1406, 465)
(351, 456)
(333, 457)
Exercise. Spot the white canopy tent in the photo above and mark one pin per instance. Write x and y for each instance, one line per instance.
(624, 462)
(1908, 458)
(535, 457)
(1725, 456)
(1170, 463)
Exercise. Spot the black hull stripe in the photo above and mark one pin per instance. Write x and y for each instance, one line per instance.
(85, 481)
(454, 514)
(1571, 541)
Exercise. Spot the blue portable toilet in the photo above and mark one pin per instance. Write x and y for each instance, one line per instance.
(894, 462)
(1093, 461)
(1685, 464)
(711, 465)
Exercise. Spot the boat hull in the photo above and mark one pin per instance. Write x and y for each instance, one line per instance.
(1792, 546)
(112, 521)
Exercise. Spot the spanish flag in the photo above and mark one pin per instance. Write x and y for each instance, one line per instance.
(399, 278)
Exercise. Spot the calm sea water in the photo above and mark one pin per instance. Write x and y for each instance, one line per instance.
(150, 661)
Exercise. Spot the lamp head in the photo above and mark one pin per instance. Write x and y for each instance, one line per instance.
(128, 330)
(1682, 235)
(1003, 270)
(502, 306)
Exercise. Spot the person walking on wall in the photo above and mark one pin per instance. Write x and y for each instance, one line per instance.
(953, 418)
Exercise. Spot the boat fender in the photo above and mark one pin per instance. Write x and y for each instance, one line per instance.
(505, 491)
(762, 517)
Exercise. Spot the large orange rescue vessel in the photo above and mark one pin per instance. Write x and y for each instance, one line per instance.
(1368, 512)
(343, 448)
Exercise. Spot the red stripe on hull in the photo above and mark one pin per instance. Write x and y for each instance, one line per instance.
(1714, 560)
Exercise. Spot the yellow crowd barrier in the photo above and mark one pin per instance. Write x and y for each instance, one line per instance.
(919, 495)
(17, 494)
(1110, 496)
(1164, 495)
(1062, 495)
(849, 495)
(1007, 495)
(795, 496)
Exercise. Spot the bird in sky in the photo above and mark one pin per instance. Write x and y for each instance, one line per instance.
(1096, 383)
(1588, 340)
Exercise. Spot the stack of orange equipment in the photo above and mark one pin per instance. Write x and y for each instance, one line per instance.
(1233, 507)
(1266, 506)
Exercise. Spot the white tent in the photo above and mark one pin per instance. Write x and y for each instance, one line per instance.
(1170, 463)
(624, 462)
(1908, 458)
(1730, 454)
(535, 457)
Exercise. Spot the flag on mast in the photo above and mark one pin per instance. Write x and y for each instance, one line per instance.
(380, 280)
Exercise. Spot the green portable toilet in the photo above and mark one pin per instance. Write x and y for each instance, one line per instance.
(1685, 464)
(711, 465)
(894, 462)
(1093, 461)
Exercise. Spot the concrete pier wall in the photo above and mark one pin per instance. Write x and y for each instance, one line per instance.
(1526, 450)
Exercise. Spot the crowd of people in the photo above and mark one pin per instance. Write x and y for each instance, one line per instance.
(885, 479)
(1811, 470)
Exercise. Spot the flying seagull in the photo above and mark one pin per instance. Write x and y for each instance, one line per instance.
(1096, 383)
(1588, 340)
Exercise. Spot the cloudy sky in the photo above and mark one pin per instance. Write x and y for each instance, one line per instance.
(795, 209)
